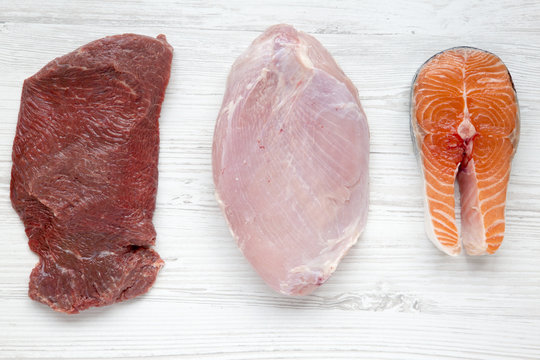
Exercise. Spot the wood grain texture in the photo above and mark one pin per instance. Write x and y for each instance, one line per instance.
(394, 296)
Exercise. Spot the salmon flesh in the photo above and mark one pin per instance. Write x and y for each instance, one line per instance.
(465, 124)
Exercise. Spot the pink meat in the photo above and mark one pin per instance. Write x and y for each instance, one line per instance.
(290, 160)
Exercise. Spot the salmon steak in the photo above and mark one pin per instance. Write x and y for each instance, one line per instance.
(290, 160)
(465, 125)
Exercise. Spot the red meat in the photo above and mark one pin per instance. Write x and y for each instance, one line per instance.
(84, 174)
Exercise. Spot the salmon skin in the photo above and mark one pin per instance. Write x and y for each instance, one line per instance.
(465, 125)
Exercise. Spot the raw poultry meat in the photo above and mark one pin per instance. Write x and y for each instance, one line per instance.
(290, 160)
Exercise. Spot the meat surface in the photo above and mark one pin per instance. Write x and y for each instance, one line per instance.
(290, 160)
(465, 122)
(84, 175)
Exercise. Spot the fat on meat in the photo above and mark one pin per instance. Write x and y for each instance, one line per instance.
(290, 160)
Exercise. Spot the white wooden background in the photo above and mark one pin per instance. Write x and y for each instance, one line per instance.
(394, 296)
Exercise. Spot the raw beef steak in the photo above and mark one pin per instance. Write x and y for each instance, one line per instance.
(290, 160)
(84, 174)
